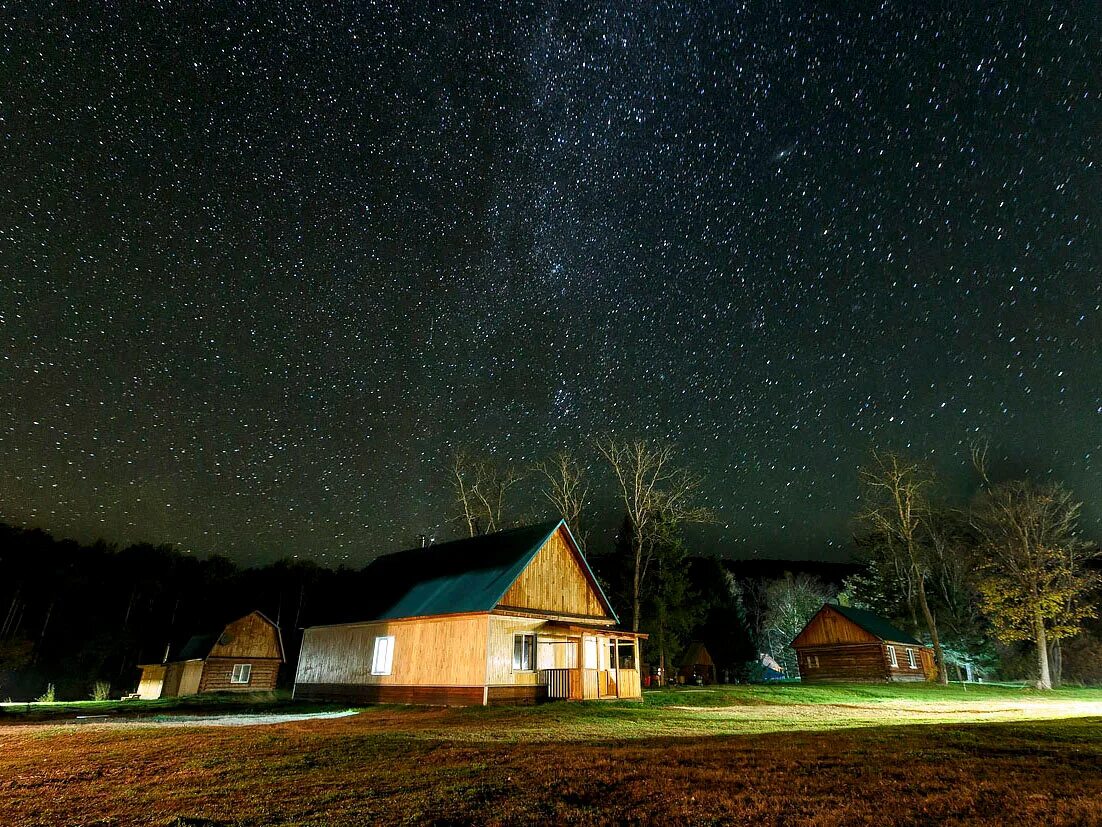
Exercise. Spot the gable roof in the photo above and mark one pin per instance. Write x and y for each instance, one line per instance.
(198, 647)
(697, 655)
(874, 624)
(461, 576)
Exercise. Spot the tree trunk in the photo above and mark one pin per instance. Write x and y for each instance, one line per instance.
(662, 647)
(1056, 662)
(1044, 679)
(931, 624)
(636, 583)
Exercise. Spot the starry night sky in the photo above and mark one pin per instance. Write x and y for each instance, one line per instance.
(263, 267)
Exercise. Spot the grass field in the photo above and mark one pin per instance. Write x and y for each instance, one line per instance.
(245, 702)
(768, 755)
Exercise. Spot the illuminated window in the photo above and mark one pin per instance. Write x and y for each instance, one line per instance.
(524, 650)
(241, 673)
(911, 658)
(892, 659)
(383, 658)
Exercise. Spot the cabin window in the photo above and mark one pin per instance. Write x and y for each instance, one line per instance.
(812, 661)
(524, 652)
(911, 658)
(383, 658)
(892, 659)
(241, 673)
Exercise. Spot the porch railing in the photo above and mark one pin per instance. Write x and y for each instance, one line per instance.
(560, 682)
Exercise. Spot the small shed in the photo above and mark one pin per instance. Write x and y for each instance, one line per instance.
(697, 663)
(244, 657)
(841, 643)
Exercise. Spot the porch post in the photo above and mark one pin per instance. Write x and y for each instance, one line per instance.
(616, 657)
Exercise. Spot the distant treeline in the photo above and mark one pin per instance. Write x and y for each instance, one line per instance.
(73, 614)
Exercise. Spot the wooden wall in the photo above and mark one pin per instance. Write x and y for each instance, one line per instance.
(151, 683)
(855, 662)
(499, 651)
(904, 672)
(217, 673)
(378, 694)
(864, 662)
(554, 582)
(248, 637)
(829, 627)
(432, 651)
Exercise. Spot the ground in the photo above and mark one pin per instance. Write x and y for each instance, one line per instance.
(725, 755)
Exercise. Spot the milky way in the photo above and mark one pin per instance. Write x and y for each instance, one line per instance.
(265, 267)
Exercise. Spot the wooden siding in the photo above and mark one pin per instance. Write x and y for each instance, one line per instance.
(554, 582)
(217, 673)
(904, 672)
(431, 651)
(499, 651)
(629, 684)
(151, 683)
(251, 636)
(182, 677)
(855, 662)
(390, 694)
(514, 695)
(830, 627)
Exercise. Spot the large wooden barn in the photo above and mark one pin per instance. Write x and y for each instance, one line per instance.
(244, 657)
(511, 617)
(841, 643)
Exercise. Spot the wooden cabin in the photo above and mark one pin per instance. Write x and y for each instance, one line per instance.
(244, 657)
(841, 643)
(697, 665)
(511, 617)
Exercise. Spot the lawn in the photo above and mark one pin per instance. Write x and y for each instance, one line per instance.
(767, 755)
(244, 702)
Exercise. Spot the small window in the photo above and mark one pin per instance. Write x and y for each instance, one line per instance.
(383, 658)
(812, 661)
(911, 658)
(241, 673)
(892, 659)
(524, 650)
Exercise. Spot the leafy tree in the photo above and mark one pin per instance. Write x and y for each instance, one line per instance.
(723, 624)
(671, 609)
(1034, 581)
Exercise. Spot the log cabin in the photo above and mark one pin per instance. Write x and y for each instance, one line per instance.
(244, 657)
(505, 618)
(841, 643)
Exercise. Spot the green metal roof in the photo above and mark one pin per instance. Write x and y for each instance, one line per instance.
(874, 624)
(469, 575)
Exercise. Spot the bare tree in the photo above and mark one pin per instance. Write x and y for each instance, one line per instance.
(658, 496)
(897, 518)
(566, 485)
(481, 488)
(789, 604)
(1034, 580)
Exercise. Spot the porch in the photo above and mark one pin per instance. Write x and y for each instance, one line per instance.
(583, 665)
